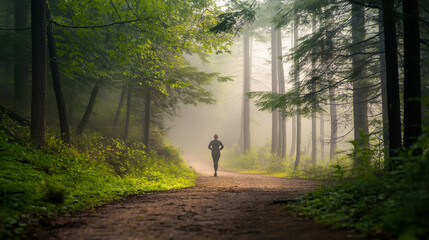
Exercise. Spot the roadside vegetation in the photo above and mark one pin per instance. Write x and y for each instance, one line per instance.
(262, 161)
(366, 200)
(37, 185)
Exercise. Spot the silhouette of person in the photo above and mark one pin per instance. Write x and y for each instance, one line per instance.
(216, 146)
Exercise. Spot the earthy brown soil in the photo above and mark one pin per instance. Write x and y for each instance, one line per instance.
(231, 206)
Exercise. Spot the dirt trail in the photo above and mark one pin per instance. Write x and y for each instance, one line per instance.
(231, 206)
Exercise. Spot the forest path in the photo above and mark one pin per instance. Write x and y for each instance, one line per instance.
(231, 206)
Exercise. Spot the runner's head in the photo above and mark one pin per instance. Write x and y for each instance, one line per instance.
(216, 136)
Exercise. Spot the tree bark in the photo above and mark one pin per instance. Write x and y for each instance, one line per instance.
(412, 82)
(383, 80)
(282, 90)
(322, 136)
(334, 123)
(88, 111)
(298, 107)
(6, 94)
(293, 141)
(21, 69)
(392, 82)
(61, 105)
(146, 124)
(39, 61)
(128, 113)
(298, 138)
(246, 102)
(360, 92)
(313, 110)
(274, 83)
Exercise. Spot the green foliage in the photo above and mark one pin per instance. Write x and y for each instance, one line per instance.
(234, 20)
(262, 161)
(393, 205)
(58, 179)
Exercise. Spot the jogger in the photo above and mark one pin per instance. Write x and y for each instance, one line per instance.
(216, 146)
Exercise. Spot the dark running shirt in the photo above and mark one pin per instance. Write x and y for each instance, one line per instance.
(216, 145)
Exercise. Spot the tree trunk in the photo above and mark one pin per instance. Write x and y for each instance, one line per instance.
(293, 141)
(88, 111)
(392, 82)
(298, 107)
(322, 136)
(313, 110)
(274, 74)
(21, 70)
(412, 85)
(313, 139)
(121, 102)
(282, 90)
(360, 92)
(334, 125)
(128, 113)
(246, 102)
(6, 94)
(146, 124)
(38, 96)
(298, 138)
(61, 105)
(385, 118)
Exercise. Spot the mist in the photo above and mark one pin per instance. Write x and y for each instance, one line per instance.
(195, 126)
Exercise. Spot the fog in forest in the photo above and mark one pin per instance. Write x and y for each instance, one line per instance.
(195, 126)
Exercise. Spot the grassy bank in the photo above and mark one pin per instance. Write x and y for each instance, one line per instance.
(38, 184)
(395, 206)
(365, 200)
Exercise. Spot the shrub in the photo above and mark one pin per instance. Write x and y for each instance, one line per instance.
(57, 179)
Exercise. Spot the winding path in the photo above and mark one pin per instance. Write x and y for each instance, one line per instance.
(231, 206)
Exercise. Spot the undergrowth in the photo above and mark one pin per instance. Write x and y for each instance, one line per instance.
(395, 205)
(262, 161)
(373, 203)
(364, 199)
(57, 179)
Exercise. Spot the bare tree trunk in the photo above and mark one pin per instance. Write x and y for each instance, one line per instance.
(392, 82)
(246, 105)
(313, 110)
(360, 93)
(61, 105)
(121, 102)
(128, 113)
(334, 126)
(412, 82)
(282, 90)
(274, 83)
(39, 65)
(298, 138)
(21, 67)
(313, 139)
(383, 83)
(293, 141)
(88, 111)
(322, 136)
(298, 108)
(6, 95)
(146, 125)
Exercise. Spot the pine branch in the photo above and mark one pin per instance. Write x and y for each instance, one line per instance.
(94, 26)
